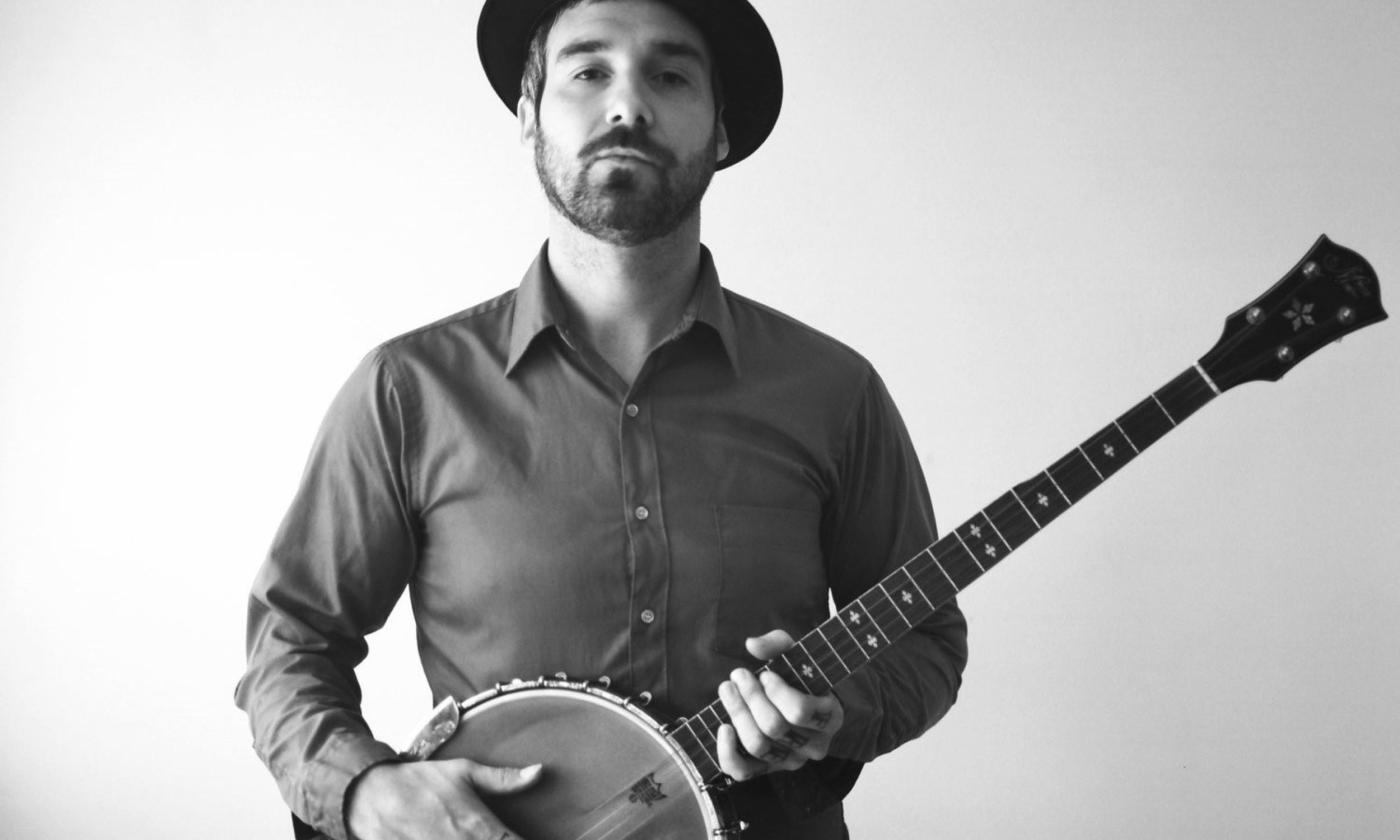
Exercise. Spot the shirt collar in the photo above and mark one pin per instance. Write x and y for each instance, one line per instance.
(538, 308)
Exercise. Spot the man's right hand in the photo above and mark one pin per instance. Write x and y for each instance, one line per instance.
(428, 800)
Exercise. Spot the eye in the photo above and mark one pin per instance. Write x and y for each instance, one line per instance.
(671, 78)
(588, 74)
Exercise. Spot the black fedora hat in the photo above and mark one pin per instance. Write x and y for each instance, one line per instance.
(739, 41)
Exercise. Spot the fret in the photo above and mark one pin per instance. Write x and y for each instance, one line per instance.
(701, 743)
(1164, 409)
(1074, 475)
(1017, 497)
(804, 675)
(1012, 521)
(992, 522)
(801, 647)
(1187, 393)
(1092, 466)
(1136, 451)
(1148, 421)
(1144, 424)
(909, 625)
(721, 716)
(859, 621)
(951, 583)
(848, 669)
(789, 674)
(866, 642)
(948, 553)
(858, 606)
(1206, 377)
(1109, 450)
(906, 595)
(1040, 494)
(711, 736)
(982, 541)
(1058, 488)
(969, 551)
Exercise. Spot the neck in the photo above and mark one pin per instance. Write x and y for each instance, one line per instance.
(624, 300)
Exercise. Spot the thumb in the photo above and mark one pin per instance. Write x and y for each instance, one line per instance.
(768, 645)
(490, 779)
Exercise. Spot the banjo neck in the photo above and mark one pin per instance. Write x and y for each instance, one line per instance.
(1332, 291)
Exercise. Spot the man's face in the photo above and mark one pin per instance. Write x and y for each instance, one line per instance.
(626, 139)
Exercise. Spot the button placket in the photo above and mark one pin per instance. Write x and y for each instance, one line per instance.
(649, 549)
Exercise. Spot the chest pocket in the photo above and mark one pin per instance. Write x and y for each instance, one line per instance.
(772, 575)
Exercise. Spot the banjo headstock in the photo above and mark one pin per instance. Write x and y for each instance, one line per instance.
(1330, 293)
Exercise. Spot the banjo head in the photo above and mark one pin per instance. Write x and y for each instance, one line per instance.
(609, 771)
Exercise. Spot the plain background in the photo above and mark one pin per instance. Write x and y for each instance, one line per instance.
(1028, 215)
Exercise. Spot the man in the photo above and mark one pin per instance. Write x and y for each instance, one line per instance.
(617, 469)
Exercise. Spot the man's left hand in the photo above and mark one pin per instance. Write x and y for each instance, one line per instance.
(775, 726)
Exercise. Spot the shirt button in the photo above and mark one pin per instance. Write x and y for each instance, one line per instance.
(647, 616)
(641, 512)
(632, 410)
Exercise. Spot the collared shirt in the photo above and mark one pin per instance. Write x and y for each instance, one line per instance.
(546, 516)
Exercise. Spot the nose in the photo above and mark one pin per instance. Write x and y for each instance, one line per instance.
(629, 105)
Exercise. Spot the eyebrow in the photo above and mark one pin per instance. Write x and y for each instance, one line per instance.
(670, 49)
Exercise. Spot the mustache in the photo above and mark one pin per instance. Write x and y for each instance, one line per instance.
(623, 137)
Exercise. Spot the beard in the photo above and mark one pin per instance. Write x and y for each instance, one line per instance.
(625, 207)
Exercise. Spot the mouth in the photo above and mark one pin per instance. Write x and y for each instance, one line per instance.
(625, 155)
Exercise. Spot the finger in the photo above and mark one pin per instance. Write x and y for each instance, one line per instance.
(733, 760)
(768, 645)
(751, 732)
(765, 716)
(764, 731)
(820, 713)
(485, 777)
(749, 736)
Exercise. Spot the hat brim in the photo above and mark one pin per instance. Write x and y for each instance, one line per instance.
(740, 44)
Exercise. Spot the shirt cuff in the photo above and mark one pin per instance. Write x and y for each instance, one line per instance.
(326, 779)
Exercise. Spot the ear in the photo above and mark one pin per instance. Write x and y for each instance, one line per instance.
(721, 139)
(529, 127)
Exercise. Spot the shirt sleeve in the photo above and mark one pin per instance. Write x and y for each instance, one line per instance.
(880, 518)
(338, 563)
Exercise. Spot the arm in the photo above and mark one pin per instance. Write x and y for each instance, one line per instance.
(338, 563)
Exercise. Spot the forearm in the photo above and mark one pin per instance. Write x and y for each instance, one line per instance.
(303, 705)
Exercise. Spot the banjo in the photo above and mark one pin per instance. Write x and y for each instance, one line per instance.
(615, 771)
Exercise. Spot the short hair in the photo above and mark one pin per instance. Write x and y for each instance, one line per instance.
(537, 57)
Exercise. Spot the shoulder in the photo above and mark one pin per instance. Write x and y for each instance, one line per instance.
(473, 335)
(768, 336)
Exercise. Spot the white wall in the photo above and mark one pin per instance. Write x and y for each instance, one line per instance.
(1028, 215)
